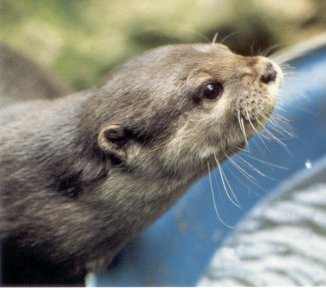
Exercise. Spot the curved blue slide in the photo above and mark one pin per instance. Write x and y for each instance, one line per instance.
(177, 249)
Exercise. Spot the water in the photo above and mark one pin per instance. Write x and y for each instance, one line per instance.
(282, 242)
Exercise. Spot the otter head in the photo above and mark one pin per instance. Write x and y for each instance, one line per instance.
(175, 108)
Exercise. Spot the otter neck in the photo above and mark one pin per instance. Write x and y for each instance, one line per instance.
(136, 201)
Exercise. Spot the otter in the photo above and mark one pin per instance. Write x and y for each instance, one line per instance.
(81, 175)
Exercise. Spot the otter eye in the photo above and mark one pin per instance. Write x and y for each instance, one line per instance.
(212, 90)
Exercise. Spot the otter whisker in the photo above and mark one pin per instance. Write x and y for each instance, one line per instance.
(280, 130)
(256, 131)
(214, 200)
(283, 129)
(256, 145)
(248, 176)
(277, 140)
(256, 169)
(281, 118)
(233, 200)
(236, 178)
(276, 127)
(279, 123)
(242, 128)
(224, 179)
(265, 162)
(273, 136)
(269, 133)
(278, 118)
(280, 109)
(243, 172)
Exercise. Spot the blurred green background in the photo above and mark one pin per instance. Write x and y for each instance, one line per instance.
(81, 40)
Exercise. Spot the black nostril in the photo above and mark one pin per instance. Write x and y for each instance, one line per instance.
(269, 74)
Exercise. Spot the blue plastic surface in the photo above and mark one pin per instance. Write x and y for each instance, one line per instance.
(177, 249)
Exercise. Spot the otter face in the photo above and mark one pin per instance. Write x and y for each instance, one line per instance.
(235, 97)
(185, 105)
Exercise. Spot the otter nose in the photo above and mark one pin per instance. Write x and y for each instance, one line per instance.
(269, 74)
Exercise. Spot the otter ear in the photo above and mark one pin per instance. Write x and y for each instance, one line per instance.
(112, 140)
